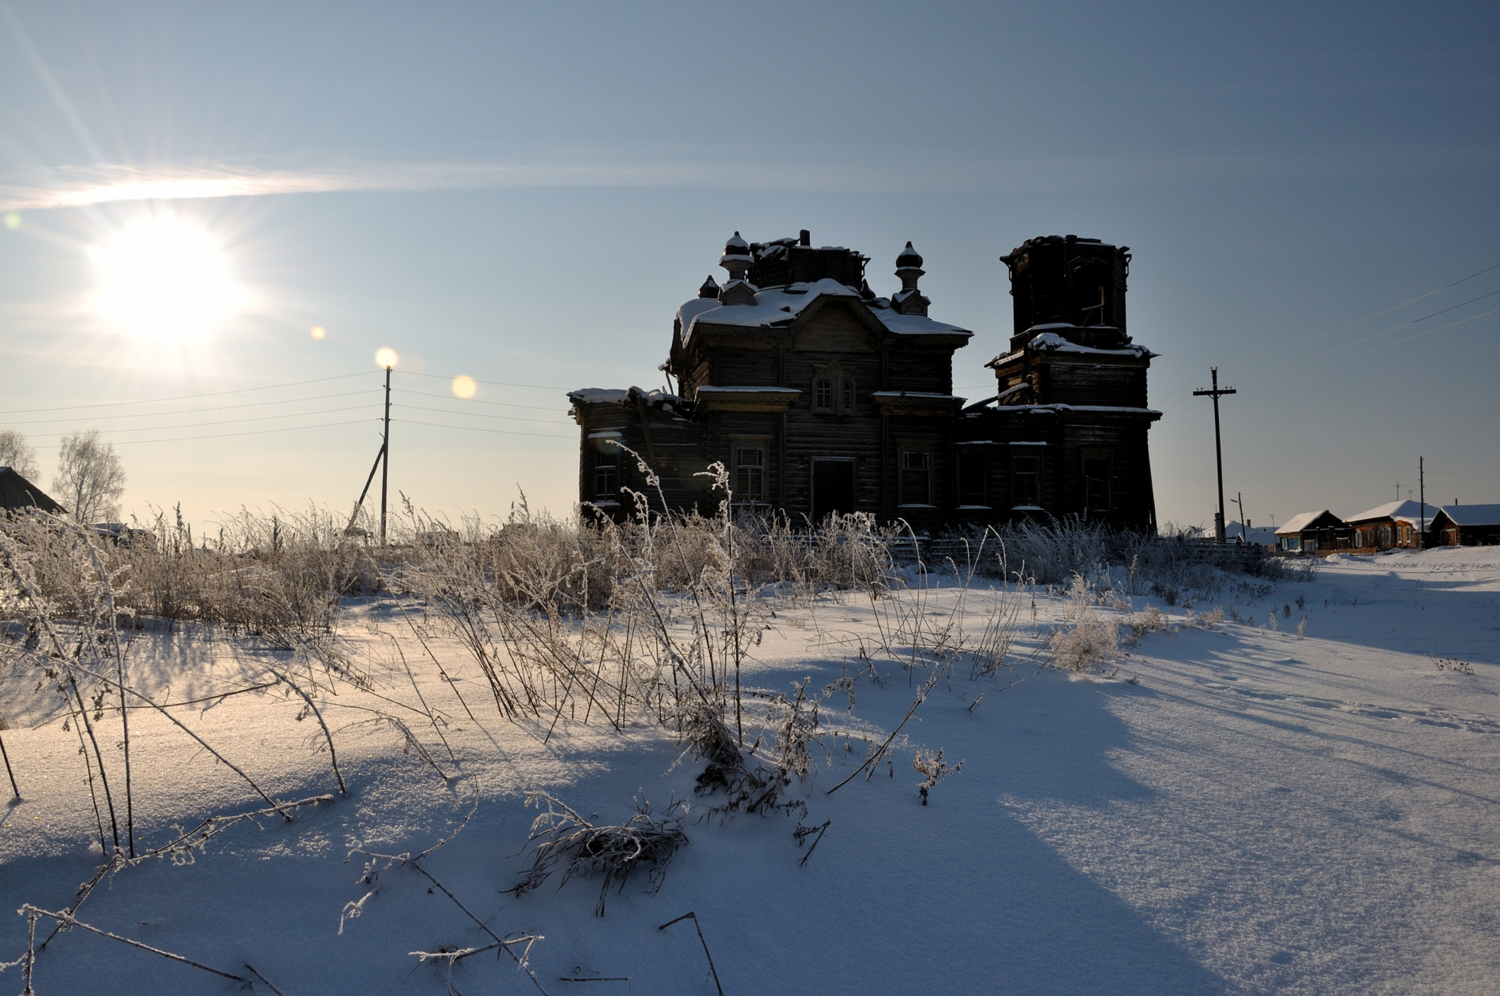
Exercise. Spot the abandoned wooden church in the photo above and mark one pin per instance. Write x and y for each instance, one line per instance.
(819, 396)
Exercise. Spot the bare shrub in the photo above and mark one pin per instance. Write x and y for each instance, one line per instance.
(571, 845)
(1087, 640)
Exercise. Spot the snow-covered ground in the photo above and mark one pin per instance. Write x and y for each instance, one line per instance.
(1258, 812)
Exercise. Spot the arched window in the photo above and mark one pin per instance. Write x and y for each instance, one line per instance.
(846, 396)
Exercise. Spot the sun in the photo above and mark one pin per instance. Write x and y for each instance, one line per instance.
(162, 278)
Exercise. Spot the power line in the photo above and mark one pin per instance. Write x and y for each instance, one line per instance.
(496, 383)
(227, 421)
(190, 411)
(184, 397)
(475, 428)
(512, 418)
(248, 432)
(470, 401)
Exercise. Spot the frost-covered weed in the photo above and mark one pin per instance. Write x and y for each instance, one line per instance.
(1086, 640)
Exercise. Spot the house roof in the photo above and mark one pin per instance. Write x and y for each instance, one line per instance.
(1304, 520)
(17, 492)
(777, 307)
(1473, 515)
(1403, 511)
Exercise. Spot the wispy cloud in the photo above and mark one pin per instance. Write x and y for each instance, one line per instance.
(847, 170)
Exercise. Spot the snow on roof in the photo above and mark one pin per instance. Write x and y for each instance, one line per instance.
(1472, 515)
(1054, 343)
(778, 306)
(1301, 521)
(1404, 511)
(597, 395)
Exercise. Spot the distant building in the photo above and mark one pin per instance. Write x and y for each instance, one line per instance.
(1313, 533)
(818, 396)
(1236, 532)
(1466, 525)
(16, 493)
(1394, 525)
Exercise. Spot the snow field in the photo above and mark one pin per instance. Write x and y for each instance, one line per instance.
(1259, 813)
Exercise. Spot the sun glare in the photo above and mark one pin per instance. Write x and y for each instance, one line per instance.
(464, 386)
(165, 279)
(385, 356)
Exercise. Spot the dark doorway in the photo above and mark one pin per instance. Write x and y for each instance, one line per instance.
(833, 488)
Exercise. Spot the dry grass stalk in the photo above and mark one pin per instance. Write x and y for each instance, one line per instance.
(571, 845)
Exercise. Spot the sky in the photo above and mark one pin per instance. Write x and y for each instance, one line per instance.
(524, 194)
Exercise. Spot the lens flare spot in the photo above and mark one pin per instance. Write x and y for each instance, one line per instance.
(385, 356)
(12, 221)
(317, 332)
(162, 278)
(464, 386)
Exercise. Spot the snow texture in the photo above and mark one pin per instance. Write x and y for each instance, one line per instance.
(1051, 342)
(1260, 813)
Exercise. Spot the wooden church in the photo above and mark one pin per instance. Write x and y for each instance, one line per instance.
(818, 396)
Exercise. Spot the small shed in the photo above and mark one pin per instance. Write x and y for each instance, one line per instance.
(1396, 524)
(1467, 525)
(1313, 532)
(16, 493)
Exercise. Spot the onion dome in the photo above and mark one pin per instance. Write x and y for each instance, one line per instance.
(909, 259)
(736, 259)
(709, 288)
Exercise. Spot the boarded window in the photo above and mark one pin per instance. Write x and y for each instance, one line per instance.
(749, 473)
(1025, 480)
(972, 467)
(916, 477)
(1096, 473)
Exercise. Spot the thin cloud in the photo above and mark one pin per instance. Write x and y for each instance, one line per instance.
(846, 170)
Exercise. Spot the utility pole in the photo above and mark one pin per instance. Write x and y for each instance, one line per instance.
(385, 454)
(1422, 491)
(1216, 393)
(1239, 500)
(381, 463)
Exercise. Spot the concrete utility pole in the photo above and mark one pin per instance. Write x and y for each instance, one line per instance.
(1216, 393)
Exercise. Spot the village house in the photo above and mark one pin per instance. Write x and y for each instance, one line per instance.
(17, 493)
(1466, 525)
(1313, 532)
(1394, 525)
(817, 396)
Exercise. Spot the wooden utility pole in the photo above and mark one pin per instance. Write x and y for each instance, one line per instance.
(380, 464)
(385, 454)
(1422, 492)
(1239, 499)
(1216, 393)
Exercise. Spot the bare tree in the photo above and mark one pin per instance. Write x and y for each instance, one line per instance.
(15, 454)
(90, 477)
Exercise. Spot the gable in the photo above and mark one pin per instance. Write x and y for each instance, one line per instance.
(835, 327)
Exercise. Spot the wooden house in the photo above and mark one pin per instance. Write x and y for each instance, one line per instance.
(817, 396)
(1466, 525)
(17, 493)
(1313, 533)
(1394, 525)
